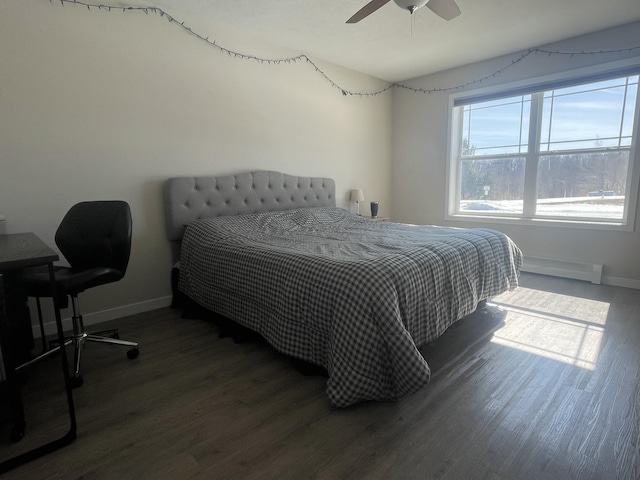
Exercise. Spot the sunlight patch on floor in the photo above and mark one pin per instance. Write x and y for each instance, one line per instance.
(561, 327)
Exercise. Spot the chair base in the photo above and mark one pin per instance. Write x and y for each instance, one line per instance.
(79, 338)
(78, 342)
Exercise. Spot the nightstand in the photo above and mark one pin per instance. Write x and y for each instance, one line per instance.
(377, 219)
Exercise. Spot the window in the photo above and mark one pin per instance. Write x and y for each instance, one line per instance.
(562, 152)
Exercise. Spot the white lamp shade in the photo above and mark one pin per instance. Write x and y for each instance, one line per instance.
(357, 195)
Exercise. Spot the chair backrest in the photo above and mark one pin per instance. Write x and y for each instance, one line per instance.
(96, 234)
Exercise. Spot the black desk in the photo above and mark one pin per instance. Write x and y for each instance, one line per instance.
(18, 251)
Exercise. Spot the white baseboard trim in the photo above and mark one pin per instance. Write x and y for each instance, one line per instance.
(105, 315)
(621, 282)
(590, 272)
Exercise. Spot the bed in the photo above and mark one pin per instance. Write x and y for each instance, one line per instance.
(273, 253)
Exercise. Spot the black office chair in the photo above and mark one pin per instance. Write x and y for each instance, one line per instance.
(95, 238)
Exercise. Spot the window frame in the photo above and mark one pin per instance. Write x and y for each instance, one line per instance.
(548, 82)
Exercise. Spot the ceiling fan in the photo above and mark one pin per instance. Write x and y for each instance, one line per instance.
(446, 9)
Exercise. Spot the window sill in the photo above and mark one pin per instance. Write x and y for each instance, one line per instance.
(543, 222)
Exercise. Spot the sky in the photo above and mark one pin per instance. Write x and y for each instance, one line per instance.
(600, 113)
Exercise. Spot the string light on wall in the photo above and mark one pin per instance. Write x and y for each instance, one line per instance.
(304, 58)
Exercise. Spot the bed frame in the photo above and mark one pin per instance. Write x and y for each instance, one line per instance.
(367, 345)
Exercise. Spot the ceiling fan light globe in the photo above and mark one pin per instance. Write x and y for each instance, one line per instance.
(411, 5)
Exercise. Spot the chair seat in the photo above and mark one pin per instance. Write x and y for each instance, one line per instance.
(34, 282)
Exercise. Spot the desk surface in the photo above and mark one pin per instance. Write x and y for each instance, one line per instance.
(20, 250)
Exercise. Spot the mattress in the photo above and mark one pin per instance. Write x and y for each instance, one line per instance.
(354, 296)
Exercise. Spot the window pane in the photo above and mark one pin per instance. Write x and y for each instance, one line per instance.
(496, 127)
(589, 185)
(580, 155)
(493, 186)
(596, 115)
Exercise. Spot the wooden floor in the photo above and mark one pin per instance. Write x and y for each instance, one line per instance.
(553, 393)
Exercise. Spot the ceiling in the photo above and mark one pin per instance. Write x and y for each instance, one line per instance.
(389, 44)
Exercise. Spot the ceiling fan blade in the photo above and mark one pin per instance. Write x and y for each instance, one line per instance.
(367, 10)
(446, 9)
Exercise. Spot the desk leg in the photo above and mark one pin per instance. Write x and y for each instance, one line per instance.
(12, 382)
(71, 434)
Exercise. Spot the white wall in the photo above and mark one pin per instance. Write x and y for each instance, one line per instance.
(420, 150)
(99, 105)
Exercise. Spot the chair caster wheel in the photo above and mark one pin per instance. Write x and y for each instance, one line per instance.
(76, 381)
(133, 353)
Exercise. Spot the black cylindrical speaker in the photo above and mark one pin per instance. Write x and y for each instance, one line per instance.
(374, 209)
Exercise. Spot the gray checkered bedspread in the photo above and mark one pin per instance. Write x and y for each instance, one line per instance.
(351, 295)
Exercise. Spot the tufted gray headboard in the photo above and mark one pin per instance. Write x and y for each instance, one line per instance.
(191, 198)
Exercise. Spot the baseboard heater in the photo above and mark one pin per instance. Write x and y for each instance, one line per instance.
(590, 272)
